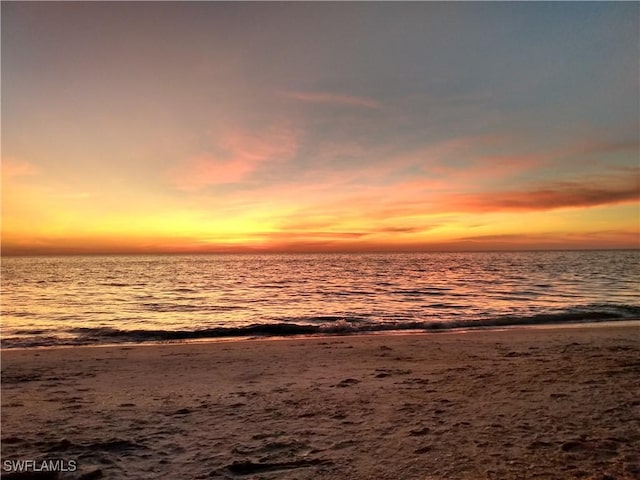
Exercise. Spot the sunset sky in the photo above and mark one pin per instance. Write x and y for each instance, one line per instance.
(231, 127)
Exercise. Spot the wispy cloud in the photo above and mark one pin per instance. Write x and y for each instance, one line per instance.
(552, 196)
(551, 240)
(598, 147)
(12, 168)
(408, 208)
(236, 154)
(462, 158)
(336, 99)
(468, 161)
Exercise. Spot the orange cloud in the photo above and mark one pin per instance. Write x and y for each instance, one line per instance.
(348, 100)
(551, 240)
(238, 153)
(415, 207)
(465, 159)
(553, 196)
(17, 168)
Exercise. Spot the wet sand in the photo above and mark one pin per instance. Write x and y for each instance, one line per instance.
(512, 404)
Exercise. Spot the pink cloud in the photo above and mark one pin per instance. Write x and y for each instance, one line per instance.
(457, 158)
(464, 162)
(238, 153)
(17, 168)
(348, 100)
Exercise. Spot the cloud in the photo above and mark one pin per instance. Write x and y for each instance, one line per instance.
(397, 230)
(336, 99)
(237, 154)
(460, 159)
(395, 204)
(469, 160)
(607, 146)
(365, 229)
(550, 240)
(552, 196)
(312, 234)
(12, 168)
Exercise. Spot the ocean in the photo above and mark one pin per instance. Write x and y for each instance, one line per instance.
(87, 300)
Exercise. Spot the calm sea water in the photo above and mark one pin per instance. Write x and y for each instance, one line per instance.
(79, 300)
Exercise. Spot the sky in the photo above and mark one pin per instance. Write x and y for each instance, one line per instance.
(161, 127)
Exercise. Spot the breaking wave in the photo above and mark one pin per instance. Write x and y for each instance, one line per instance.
(332, 325)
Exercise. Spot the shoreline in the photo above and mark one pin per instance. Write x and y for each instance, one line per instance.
(626, 322)
(503, 404)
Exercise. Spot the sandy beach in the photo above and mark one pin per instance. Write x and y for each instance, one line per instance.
(561, 403)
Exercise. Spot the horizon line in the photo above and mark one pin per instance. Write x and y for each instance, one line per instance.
(316, 252)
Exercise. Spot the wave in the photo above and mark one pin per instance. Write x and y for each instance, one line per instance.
(334, 325)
